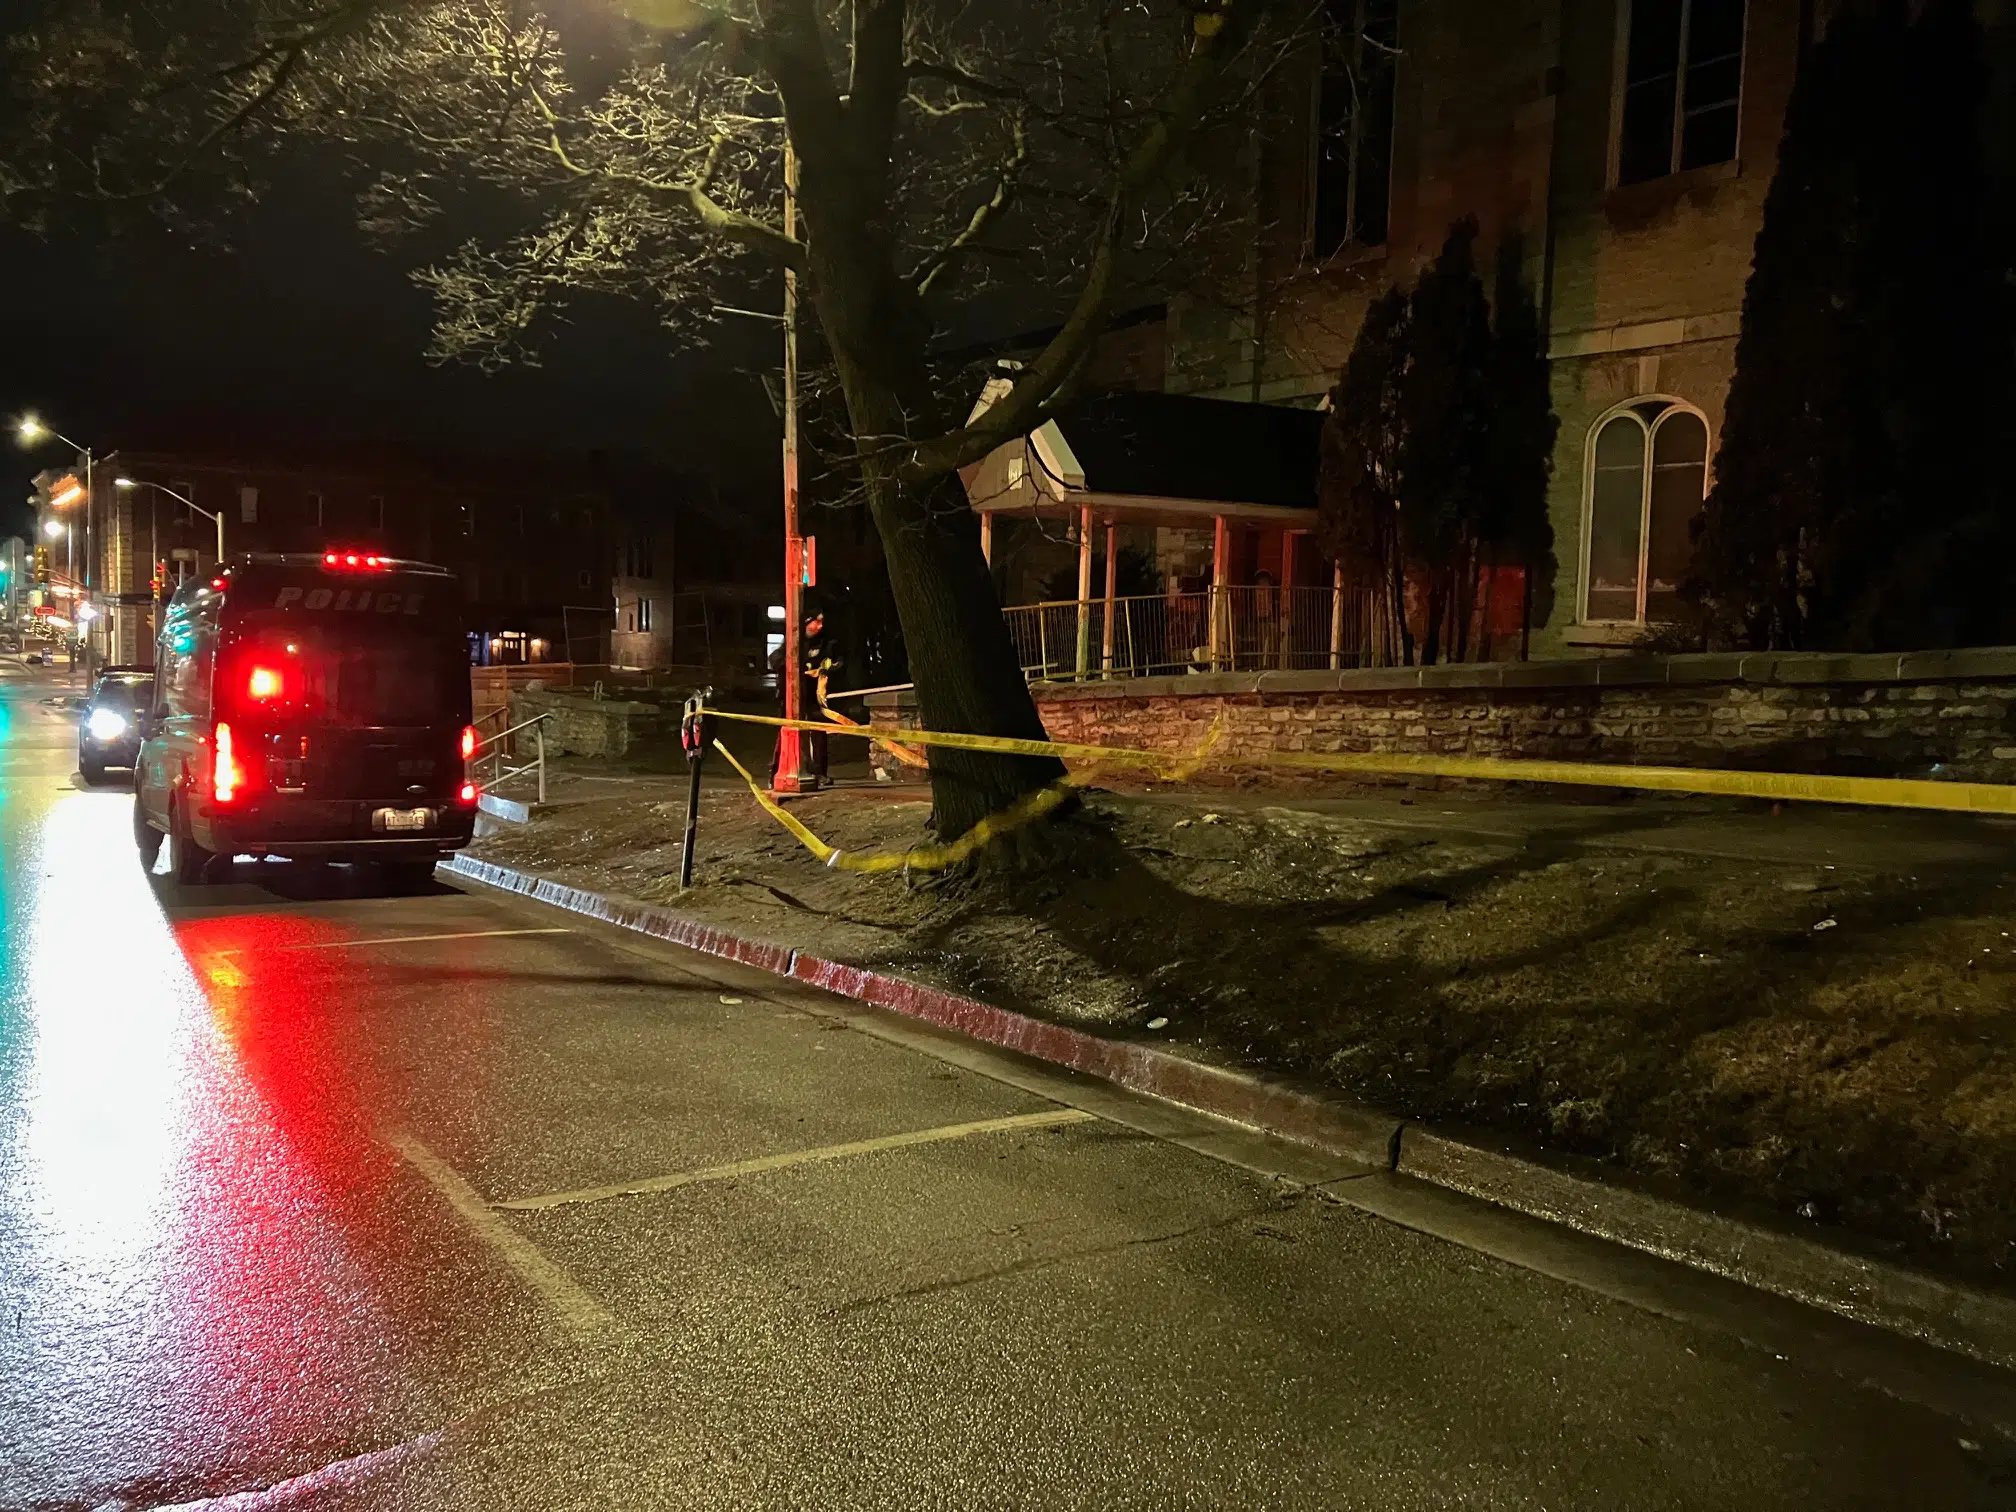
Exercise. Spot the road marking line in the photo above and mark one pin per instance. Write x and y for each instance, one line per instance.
(560, 1291)
(1053, 1118)
(467, 934)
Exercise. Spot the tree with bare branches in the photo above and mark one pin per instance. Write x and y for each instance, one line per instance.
(635, 147)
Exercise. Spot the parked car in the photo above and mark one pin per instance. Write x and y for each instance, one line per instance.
(311, 707)
(108, 734)
(35, 659)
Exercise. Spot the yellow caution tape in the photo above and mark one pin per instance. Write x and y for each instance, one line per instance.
(1867, 792)
(902, 753)
(930, 858)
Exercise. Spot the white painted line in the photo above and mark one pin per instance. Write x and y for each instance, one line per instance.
(556, 1288)
(344, 1475)
(467, 934)
(1046, 1120)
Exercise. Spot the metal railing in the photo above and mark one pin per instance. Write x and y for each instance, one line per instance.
(500, 749)
(1232, 629)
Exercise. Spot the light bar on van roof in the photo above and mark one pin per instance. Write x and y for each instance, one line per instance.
(356, 561)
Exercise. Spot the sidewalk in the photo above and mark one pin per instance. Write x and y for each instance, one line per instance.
(1804, 1015)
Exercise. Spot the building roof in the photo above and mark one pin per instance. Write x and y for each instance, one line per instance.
(1175, 446)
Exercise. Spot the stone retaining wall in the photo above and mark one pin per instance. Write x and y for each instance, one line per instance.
(1949, 714)
(579, 724)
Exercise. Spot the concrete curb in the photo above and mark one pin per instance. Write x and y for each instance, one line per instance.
(510, 810)
(1978, 1324)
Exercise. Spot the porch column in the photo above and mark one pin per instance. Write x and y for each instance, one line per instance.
(1084, 590)
(1221, 566)
(1336, 615)
(1285, 595)
(1112, 582)
(987, 535)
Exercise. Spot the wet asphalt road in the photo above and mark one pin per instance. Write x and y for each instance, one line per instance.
(258, 1142)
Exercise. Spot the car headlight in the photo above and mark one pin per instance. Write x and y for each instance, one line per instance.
(105, 724)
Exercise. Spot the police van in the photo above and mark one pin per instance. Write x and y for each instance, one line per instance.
(309, 706)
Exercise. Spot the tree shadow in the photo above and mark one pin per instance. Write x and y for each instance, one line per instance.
(1752, 1065)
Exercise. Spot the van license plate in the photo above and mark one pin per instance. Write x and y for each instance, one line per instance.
(401, 819)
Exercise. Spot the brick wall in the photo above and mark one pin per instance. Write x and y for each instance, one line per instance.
(1950, 714)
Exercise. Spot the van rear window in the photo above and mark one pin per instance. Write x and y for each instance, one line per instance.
(354, 675)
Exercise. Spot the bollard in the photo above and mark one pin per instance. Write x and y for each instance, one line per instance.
(693, 739)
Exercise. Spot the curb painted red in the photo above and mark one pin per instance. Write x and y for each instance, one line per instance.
(1961, 1319)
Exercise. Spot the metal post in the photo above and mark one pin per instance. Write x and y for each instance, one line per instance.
(790, 743)
(1112, 583)
(692, 736)
(539, 751)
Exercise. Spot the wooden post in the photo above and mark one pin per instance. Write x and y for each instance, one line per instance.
(1220, 627)
(1285, 595)
(1084, 590)
(1112, 584)
(1336, 615)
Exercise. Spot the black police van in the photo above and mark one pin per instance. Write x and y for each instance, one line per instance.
(309, 706)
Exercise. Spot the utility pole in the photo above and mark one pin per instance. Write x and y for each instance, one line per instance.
(790, 776)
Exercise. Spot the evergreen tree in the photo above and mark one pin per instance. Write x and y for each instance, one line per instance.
(1854, 505)
(1515, 527)
(1445, 418)
(1437, 452)
(1359, 496)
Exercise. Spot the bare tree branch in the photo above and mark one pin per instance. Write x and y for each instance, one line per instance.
(949, 260)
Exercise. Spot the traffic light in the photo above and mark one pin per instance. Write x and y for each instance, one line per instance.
(42, 565)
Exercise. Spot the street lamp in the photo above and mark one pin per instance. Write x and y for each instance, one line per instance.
(30, 431)
(53, 528)
(216, 519)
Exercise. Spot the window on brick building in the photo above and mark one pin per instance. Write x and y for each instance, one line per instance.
(1353, 157)
(1647, 474)
(1683, 80)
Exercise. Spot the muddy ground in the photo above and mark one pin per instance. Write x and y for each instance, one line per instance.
(1832, 1044)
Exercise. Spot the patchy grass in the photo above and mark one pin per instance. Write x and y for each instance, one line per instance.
(1834, 1045)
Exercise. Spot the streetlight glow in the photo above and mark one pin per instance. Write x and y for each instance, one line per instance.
(53, 529)
(124, 483)
(30, 430)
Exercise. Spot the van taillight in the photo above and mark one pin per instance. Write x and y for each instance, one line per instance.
(468, 795)
(227, 776)
(469, 740)
(264, 683)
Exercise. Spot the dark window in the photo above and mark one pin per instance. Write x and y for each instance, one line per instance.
(1354, 125)
(366, 674)
(1683, 78)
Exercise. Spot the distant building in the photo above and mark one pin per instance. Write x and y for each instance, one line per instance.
(532, 549)
(1616, 155)
(697, 589)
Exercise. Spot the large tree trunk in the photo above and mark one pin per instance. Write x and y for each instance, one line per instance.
(962, 658)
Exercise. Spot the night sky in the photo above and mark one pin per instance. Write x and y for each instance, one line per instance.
(291, 336)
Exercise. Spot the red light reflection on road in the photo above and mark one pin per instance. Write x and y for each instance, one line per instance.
(184, 1182)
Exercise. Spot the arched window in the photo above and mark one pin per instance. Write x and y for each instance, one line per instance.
(1647, 476)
